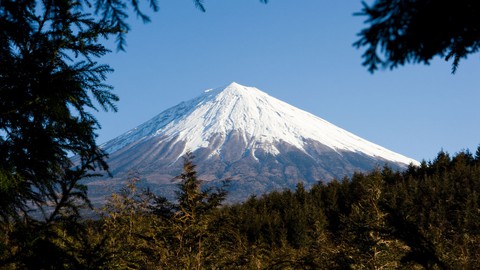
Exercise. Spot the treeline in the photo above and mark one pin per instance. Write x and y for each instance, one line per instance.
(427, 217)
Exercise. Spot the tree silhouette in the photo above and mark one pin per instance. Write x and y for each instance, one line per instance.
(50, 82)
(401, 32)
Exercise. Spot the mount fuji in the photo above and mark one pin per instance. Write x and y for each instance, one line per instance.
(242, 134)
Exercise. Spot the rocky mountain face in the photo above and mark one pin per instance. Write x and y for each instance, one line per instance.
(244, 135)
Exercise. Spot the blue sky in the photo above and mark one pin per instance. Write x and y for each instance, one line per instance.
(300, 52)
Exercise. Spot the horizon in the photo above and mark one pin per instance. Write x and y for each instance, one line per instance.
(262, 120)
(307, 61)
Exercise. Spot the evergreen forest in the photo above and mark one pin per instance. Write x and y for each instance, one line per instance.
(427, 217)
(52, 82)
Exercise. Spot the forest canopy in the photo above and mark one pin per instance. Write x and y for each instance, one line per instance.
(427, 217)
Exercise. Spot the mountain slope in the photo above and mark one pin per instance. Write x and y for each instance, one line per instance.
(242, 133)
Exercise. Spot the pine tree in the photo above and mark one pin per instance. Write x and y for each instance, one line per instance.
(192, 220)
(45, 97)
(50, 82)
(366, 226)
(417, 31)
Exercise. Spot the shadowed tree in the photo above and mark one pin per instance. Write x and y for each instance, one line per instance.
(50, 83)
(405, 31)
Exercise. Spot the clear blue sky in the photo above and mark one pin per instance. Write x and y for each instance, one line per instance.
(300, 52)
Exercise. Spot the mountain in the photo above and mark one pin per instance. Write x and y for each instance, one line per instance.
(240, 133)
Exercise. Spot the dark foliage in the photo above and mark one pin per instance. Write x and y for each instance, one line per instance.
(424, 218)
(427, 216)
(50, 83)
(47, 82)
(404, 31)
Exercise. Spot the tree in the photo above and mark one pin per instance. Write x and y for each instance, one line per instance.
(192, 220)
(403, 31)
(50, 82)
(366, 229)
(48, 78)
(145, 231)
(128, 228)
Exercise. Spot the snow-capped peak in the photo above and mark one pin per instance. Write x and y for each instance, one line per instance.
(261, 120)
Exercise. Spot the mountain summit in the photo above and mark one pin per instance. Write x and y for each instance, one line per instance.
(243, 134)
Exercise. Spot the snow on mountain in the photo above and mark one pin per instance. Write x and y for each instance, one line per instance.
(242, 134)
(260, 120)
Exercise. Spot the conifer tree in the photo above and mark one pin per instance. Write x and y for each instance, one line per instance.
(193, 217)
(401, 32)
(50, 82)
(366, 226)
